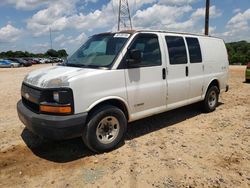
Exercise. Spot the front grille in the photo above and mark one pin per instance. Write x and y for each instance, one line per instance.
(30, 105)
(31, 94)
(31, 97)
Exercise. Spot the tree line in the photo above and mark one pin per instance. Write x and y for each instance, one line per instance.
(20, 54)
(238, 52)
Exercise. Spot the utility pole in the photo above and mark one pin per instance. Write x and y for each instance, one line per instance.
(207, 17)
(124, 18)
(50, 38)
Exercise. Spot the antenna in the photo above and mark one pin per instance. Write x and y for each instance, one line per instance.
(124, 18)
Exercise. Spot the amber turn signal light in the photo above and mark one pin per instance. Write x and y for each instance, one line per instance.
(56, 109)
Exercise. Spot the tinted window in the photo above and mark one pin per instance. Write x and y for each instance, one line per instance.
(150, 50)
(176, 50)
(194, 50)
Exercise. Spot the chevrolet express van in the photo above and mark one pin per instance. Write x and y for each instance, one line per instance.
(116, 78)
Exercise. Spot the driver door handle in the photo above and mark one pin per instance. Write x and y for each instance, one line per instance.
(187, 73)
(163, 73)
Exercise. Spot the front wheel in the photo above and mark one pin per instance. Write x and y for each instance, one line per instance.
(105, 129)
(211, 100)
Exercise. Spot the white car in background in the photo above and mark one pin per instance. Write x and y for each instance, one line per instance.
(43, 60)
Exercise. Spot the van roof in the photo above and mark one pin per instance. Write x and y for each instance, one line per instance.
(161, 31)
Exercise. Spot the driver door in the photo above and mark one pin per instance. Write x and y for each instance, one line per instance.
(146, 86)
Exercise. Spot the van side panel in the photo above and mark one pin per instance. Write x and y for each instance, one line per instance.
(90, 89)
(215, 60)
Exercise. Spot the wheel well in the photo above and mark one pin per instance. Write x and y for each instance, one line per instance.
(114, 102)
(214, 83)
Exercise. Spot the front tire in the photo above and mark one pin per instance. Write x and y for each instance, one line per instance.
(105, 129)
(211, 100)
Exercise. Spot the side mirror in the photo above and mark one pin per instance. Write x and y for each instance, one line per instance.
(134, 56)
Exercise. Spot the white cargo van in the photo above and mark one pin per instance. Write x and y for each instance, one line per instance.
(115, 78)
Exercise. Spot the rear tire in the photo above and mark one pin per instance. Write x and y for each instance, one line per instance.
(211, 100)
(105, 129)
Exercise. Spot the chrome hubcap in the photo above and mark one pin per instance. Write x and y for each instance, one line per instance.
(107, 130)
(212, 99)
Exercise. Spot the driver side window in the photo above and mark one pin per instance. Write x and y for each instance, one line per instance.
(148, 44)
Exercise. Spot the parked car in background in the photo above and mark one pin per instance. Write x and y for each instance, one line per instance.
(248, 72)
(56, 60)
(30, 60)
(22, 62)
(4, 63)
(44, 60)
(36, 60)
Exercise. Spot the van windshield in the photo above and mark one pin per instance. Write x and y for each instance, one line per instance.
(98, 51)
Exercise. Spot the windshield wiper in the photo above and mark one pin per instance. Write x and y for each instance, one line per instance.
(73, 65)
(81, 65)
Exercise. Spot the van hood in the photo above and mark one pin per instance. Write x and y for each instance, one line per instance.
(54, 77)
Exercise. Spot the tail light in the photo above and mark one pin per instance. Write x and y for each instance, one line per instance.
(248, 65)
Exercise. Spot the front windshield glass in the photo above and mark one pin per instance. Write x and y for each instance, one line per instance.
(98, 51)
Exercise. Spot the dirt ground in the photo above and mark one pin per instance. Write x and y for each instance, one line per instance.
(181, 148)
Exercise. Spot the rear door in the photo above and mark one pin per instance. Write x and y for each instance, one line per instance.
(177, 72)
(195, 70)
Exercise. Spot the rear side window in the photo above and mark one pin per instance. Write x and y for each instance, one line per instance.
(194, 50)
(176, 50)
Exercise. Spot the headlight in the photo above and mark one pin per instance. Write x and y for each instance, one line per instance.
(57, 101)
(63, 96)
(56, 96)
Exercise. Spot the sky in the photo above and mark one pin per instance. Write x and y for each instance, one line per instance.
(25, 24)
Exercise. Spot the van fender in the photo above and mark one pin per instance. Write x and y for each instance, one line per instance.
(107, 99)
(209, 83)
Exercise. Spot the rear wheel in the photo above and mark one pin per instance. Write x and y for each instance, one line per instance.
(211, 100)
(12, 66)
(105, 129)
